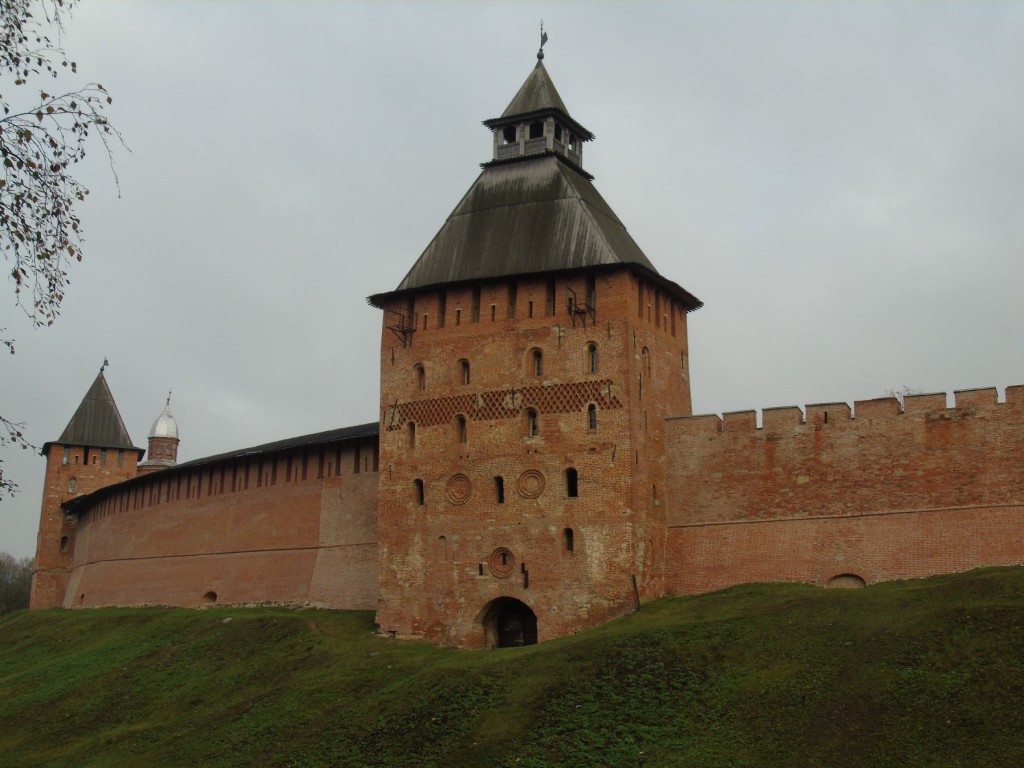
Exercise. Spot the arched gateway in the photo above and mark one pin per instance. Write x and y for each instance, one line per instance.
(509, 623)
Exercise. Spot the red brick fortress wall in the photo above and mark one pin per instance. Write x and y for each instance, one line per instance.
(882, 493)
(284, 527)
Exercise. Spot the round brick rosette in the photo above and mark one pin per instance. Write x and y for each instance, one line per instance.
(530, 484)
(458, 489)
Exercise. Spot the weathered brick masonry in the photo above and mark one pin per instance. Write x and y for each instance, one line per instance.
(71, 471)
(291, 525)
(892, 493)
(540, 398)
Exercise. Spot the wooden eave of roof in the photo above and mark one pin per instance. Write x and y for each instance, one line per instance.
(690, 302)
(533, 156)
(304, 441)
(46, 446)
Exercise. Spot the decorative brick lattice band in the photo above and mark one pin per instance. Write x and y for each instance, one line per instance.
(505, 403)
(459, 489)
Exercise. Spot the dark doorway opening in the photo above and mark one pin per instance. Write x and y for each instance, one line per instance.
(509, 623)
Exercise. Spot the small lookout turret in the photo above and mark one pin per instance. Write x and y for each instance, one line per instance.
(163, 441)
(537, 122)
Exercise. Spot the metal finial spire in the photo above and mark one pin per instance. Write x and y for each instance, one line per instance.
(169, 396)
(105, 364)
(543, 39)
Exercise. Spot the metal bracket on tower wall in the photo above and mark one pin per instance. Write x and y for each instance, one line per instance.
(401, 328)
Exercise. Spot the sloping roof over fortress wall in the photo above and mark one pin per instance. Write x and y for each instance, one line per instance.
(318, 438)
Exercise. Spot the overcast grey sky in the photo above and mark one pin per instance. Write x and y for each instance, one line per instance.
(842, 184)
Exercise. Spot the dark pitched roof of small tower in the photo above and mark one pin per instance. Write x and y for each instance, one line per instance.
(97, 423)
(536, 96)
(536, 93)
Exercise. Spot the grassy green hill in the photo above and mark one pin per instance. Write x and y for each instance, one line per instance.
(922, 673)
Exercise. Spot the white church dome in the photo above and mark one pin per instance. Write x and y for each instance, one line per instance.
(165, 425)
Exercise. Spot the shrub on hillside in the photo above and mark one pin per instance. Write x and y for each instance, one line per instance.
(15, 582)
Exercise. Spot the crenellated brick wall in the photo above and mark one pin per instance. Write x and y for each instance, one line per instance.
(882, 492)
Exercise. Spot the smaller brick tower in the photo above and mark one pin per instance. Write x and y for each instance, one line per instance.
(93, 451)
(163, 442)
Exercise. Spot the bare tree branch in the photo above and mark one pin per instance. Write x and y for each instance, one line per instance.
(41, 140)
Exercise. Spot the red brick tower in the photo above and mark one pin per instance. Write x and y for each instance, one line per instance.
(93, 451)
(528, 361)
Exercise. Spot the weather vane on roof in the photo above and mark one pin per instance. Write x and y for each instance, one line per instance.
(105, 364)
(543, 39)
